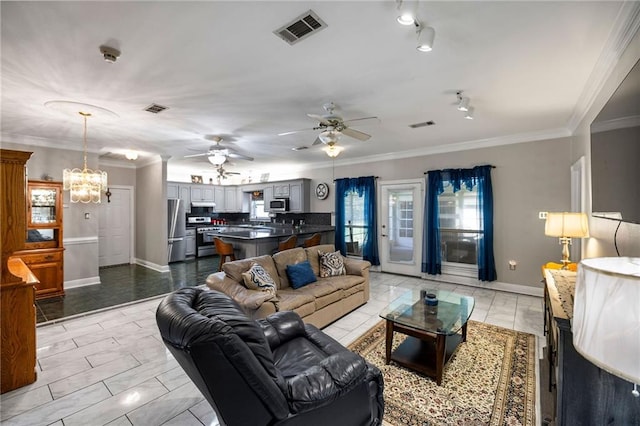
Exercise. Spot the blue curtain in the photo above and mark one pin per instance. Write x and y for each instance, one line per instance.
(366, 188)
(342, 189)
(431, 257)
(480, 176)
(486, 261)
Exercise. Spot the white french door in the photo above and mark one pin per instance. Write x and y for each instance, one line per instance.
(400, 225)
(115, 227)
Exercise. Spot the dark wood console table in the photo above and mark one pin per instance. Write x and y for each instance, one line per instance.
(585, 394)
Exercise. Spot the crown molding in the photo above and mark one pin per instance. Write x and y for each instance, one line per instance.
(615, 124)
(455, 147)
(625, 28)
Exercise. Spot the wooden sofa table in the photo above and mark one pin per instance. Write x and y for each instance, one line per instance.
(433, 332)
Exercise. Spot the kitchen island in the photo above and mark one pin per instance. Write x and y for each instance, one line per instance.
(252, 240)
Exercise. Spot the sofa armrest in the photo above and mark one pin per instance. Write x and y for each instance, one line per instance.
(281, 327)
(357, 267)
(321, 384)
(248, 299)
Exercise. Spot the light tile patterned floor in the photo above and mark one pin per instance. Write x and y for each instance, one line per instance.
(111, 368)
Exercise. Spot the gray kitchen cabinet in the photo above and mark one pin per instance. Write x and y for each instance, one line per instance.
(190, 238)
(267, 196)
(230, 204)
(172, 191)
(202, 193)
(299, 201)
(182, 191)
(218, 197)
(281, 190)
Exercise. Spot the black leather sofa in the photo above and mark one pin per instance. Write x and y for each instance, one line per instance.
(272, 371)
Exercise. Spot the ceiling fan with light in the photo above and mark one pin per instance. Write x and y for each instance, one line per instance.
(224, 174)
(218, 154)
(333, 126)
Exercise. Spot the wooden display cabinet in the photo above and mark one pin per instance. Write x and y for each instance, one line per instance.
(43, 251)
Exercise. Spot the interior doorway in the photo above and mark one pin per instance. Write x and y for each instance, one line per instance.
(401, 226)
(115, 235)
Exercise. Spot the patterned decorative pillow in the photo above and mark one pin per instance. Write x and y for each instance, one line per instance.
(331, 264)
(257, 278)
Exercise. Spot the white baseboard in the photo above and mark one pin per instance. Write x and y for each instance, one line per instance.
(82, 282)
(153, 266)
(489, 285)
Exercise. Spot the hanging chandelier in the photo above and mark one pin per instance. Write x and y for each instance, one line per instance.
(84, 185)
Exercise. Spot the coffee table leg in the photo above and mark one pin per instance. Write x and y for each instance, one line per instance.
(464, 332)
(441, 340)
(389, 339)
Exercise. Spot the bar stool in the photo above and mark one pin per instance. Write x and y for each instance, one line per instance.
(224, 250)
(289, 243)
(313, 240)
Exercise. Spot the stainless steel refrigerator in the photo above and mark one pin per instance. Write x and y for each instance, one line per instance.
(177, 230)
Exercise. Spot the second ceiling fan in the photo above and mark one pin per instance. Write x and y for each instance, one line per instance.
(333, 126)
(218, 154)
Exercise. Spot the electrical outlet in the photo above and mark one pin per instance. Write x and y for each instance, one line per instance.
(542, 215)
(87, 215)
(512, 265)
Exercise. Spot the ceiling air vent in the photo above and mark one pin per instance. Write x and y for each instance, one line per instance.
(155, 108)
(423, 124)
(300, 28)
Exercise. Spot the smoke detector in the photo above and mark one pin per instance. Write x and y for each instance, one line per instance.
(109, 53)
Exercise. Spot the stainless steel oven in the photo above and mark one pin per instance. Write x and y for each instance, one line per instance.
(204, 240)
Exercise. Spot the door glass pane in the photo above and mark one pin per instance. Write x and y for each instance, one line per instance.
(400, 231)
(43, 205)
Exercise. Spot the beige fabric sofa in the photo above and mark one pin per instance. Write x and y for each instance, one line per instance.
(318, 303)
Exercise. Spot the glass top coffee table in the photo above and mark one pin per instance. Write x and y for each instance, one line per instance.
(433, 332)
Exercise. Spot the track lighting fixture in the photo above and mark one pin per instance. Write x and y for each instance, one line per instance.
(425, 34)
(463, 102)
(406, 16)
(463, 105)
(425, 38)
(469, 114)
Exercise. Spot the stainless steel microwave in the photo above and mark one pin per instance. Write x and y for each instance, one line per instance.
(279, 205)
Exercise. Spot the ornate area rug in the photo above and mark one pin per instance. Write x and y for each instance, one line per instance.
(489, 381)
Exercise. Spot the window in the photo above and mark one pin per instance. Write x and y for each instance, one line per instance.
(355, 230)
(464, 238)
(257, 207)
(460, 226)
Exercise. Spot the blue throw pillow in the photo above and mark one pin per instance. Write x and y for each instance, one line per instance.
(300, 274)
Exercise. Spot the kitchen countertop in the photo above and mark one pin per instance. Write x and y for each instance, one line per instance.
(253, 232)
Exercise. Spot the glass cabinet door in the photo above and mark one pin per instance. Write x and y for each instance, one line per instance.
(44, 202)
(44, 215)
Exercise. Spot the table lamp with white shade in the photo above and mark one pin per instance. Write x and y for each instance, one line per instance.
(606, 315)
(565, 226)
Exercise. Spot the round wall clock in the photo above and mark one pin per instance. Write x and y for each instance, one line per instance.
(322, 191)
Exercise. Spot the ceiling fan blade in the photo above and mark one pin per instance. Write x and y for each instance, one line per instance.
(293, 131)
(239, 156)
(356, 134)
(320, 118)
(231, 173)
(196, 155)
(373, 118)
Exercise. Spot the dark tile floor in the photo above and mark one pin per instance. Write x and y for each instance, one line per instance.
(125, 283)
